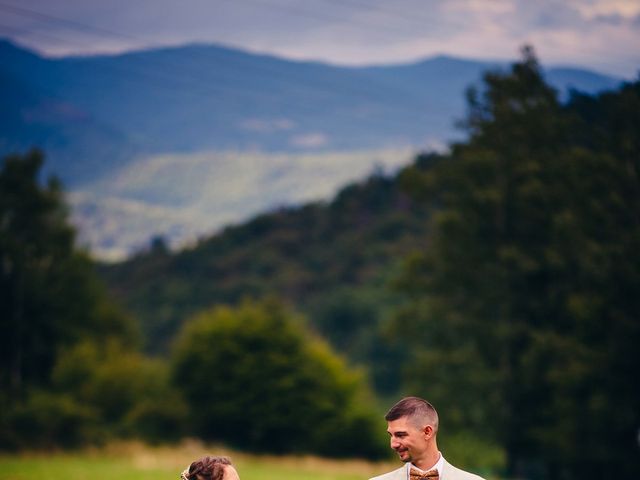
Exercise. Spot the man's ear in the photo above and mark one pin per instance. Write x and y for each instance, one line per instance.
(428, 431)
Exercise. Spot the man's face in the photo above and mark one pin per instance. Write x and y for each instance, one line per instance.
(409, 442)
(230, 473)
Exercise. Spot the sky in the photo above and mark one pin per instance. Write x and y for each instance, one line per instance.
(603, 35)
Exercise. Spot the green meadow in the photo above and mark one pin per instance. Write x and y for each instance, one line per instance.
(135, 461)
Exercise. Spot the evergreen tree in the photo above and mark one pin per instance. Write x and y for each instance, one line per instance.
(524, 305)
(50, 297)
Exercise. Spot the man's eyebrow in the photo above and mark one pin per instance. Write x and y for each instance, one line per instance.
(397, 432)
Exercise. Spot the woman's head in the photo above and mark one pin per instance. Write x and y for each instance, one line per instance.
(210, 468)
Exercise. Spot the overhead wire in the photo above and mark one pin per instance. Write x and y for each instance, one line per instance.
(36, 14)
(354, 6)
(166, 70)
(50, 19)
(315, 15)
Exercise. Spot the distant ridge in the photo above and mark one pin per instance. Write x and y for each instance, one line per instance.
(206, 97)
(102, 120)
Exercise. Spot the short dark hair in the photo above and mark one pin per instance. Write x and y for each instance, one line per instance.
(208, 468)
(417, 410)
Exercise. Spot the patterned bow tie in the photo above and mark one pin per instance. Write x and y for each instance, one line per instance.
(416, 474)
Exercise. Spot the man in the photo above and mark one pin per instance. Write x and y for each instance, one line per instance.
(412, 424)
(210, 468)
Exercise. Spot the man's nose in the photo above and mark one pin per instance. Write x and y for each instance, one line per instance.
(394, 442)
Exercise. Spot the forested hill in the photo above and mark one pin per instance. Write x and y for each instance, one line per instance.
(336, 261)
(517, 313)
(333, 261)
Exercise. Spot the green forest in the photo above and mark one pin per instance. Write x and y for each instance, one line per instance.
(500, 280)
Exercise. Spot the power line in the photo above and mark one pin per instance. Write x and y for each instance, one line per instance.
(314, 15)
(166, 70)
(354, 6)
(50, 19)
(372, 29)
(416, 19)
(162, 68)
(61, 21)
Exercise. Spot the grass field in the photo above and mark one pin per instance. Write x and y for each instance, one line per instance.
(135, 461)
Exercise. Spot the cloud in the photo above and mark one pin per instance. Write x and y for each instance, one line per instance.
(603, 8)
(310, 140)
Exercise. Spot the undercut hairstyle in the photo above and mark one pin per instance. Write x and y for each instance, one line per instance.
(207, 468)
(417, 410)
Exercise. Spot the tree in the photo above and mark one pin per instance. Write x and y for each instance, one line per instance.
(524, 305)
(252, 377)
(49, 294)
(50, 297)
(128, 393)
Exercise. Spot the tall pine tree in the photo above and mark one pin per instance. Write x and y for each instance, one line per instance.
(523, 306)
(50, 297)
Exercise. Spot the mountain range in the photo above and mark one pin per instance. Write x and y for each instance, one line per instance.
(181, 141)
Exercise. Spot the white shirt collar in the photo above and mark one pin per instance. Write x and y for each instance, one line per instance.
(438, 465)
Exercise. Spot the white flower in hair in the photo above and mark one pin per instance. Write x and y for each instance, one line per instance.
(185, 474)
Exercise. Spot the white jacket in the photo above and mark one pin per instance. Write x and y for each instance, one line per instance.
(449, 472)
